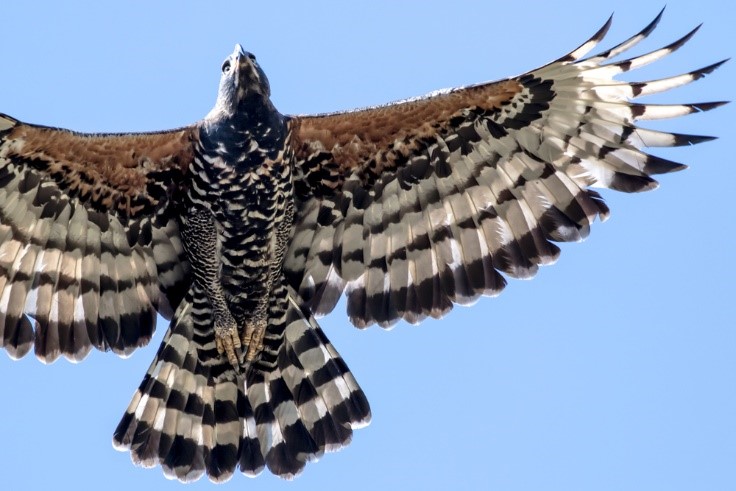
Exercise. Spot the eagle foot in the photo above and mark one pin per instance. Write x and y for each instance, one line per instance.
(227, 339)
(253, 337)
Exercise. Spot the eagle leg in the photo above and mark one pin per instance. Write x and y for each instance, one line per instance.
(201, 243)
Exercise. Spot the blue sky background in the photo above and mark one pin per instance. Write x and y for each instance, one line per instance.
(614, 369)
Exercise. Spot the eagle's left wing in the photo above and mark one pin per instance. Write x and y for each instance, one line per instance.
(411, 207)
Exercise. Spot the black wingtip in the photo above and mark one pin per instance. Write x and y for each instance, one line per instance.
(684, 39)
(604, 29)
(711, 68)
(593, 40)
(682, 139)
(707, 106)
(659, 165)
(707, 70)
(652, 25)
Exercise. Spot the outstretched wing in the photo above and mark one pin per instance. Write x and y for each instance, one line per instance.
(89, 243)
(411, 207)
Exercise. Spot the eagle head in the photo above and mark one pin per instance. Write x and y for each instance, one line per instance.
(242, 83)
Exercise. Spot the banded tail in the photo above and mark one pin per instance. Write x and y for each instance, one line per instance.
(193, 414)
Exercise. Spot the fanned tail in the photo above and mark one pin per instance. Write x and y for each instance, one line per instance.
(193, 414)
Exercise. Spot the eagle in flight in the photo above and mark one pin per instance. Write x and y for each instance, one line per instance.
(245, 226)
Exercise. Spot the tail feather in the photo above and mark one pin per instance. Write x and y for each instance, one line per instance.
(226, 431)
(327, 434)
(194, 415)
(251, 461)
(285, 440)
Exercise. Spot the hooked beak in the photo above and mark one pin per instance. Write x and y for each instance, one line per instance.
(241, 59)
(238, 53)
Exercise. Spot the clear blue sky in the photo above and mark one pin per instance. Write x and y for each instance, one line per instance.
(614, 369)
